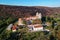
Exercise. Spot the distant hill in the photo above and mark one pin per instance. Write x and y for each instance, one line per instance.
(25, 11)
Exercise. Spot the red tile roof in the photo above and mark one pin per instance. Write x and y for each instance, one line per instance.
(14, 27)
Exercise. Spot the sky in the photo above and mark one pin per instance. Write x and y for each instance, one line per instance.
(49, 3)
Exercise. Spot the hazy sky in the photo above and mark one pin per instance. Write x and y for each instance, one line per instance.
(51, 3)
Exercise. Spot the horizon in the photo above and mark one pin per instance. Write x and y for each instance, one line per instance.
(27, 6)
(46, 3)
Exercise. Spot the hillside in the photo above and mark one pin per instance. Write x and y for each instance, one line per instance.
(10, 14)
(25, 11)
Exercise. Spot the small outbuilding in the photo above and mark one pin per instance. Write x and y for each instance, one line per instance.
(9, 27)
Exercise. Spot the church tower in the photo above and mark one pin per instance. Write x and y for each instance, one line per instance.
(38, 15)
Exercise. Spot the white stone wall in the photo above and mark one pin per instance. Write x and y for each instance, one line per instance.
(38, 29)
(35, 29)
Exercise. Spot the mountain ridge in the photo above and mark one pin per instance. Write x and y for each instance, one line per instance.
(21, 11)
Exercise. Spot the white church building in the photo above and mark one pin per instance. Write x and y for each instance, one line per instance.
(37, 16)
